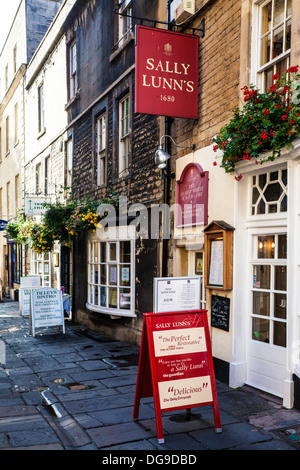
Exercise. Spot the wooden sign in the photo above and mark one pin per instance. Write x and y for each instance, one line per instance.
(220, 307)
(192, 196)
(176, 365)
(166, 73)
(46, 309)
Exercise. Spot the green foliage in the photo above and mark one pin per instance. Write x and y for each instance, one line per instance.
(60, 222)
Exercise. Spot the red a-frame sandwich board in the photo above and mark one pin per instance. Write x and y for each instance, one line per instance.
(176, 365)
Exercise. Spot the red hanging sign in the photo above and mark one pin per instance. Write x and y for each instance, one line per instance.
(176, 365)
(166, 80)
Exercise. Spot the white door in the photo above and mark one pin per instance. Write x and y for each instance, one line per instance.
(266, 346)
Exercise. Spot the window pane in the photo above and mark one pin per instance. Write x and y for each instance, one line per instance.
(266, 245)
(279, 334)
(125, 252)
(280, 306)
(277, 42)
(125, 299)
(260, 329)
(124, 275)
(282, 246)
(266, 18)
(103, 252)
(112, 297)
(278, 12)
(265, 49)
(112, 251)
(112, 275)
(280, 277)
(261, 277)
(103, 296)
(261, 303)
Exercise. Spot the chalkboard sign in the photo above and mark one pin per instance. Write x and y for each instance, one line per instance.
(220, 307)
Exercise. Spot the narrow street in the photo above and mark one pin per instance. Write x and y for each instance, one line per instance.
(75, 391)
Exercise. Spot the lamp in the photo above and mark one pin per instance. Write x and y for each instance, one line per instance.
(162, 157)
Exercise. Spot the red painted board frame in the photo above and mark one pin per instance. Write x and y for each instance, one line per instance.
(185, 360)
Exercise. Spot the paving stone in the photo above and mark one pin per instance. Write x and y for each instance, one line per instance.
(17, 411)
(91, 375)
(232, 435)
(33, 437)
(101, 403)
(19, 423)
(121, 433)
(123, 415)
(119, 381)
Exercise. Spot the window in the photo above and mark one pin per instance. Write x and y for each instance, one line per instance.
(269, 192)
(111, 277)
(8, 199)
(69, 157)
(47, 175)
(101, 150)
(7, 135)
(40, 265)
(17, 262)
(1, 206)
(17, 193)
(269, 291)
(125, 22)
(41, 109)
(274, 40)
(72, 70)
(38, 175)
(15, 59)
(16, 122)
(124, 128)
(6, 77)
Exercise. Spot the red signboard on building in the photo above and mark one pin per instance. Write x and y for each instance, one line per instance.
(192, 196)
(176, 365)
(166, 81)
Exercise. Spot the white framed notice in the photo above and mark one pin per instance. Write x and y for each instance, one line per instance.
(46, 309)
(177, 294)
(216, 263)
(24, 301)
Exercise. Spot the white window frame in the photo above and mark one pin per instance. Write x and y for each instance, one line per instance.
(124, 133)
(112, 267)
(47, 175)
(41, 108)
(257, 70)
(101, 149)
(125, 22)
(272, 263)
(72, 70)
(40, 265)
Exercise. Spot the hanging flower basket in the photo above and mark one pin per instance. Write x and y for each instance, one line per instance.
(268, 122)
(60, 223)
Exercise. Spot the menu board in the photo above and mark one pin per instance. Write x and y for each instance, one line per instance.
(181, 356)
(46, 309)
(216, 263)
(177, 294)
(176, 365)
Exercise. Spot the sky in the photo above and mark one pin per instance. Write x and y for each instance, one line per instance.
(8, 9)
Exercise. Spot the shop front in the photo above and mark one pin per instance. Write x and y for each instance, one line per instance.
(266, 267)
